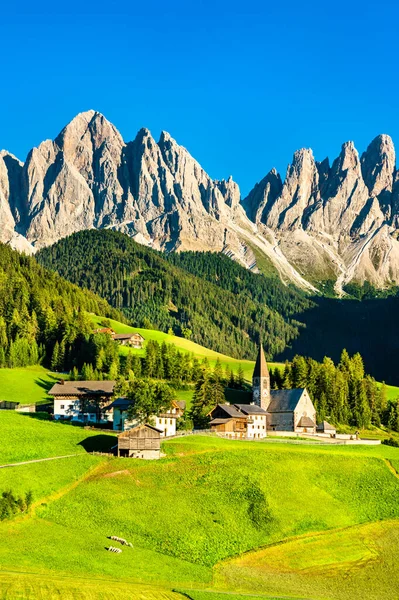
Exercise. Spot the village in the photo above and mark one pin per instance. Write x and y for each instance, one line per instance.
(270, 412)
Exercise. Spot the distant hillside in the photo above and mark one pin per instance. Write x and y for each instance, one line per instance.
(227, 310)
(38, 308)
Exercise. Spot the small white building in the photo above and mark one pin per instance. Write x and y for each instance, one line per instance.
(165, 422)
(84, 401)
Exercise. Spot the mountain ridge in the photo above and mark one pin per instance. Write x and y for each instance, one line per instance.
(322, 222)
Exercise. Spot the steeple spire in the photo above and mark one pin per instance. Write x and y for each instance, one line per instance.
(261, 369)
(261, 381)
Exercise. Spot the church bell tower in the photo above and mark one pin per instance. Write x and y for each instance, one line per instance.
(261, 381)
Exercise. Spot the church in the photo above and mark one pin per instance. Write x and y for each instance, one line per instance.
(270, 410)
(287, 410)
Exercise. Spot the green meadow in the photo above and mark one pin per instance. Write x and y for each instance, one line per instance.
(24, 437)
(214, 519)
(27, 385)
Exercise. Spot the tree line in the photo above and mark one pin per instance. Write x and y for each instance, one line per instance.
(203, 296)
(342, 393)
(38, 310)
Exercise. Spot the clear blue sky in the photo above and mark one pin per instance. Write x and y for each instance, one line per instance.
(241, 84)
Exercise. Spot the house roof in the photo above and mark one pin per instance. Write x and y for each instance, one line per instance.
(122, 336)
(230, 410)
(181, 404)
(121, 403)
(83, 388)
(250, 409)
(142, 426)
(284, 400)
(306, 422)
(220, 421)
(324, 426)
(261, 369)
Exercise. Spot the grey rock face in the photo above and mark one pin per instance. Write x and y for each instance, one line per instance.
(323, 222)
(339, 221)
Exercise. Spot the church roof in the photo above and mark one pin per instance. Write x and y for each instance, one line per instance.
(284, 400)
(261, 369)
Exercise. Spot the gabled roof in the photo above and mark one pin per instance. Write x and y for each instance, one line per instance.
(324, 426)
(284, 400)
(250, 409)
(231, 411)
(181, 404)
(123, 336)
(142, 426)
(306, 422)
(220, 421)
(121, 403)
(83, 388)
(261, 369)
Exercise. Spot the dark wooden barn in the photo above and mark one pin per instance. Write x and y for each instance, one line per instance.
(143, 441)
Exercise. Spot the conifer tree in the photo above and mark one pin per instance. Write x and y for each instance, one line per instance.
(55, 357)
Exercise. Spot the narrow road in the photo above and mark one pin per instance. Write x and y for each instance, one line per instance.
(37, 460)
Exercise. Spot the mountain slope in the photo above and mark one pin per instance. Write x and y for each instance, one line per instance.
(38, 308)
(152, 291)
(338, 222)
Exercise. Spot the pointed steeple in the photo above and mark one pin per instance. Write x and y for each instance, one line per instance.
(261, 369)
(261, 381)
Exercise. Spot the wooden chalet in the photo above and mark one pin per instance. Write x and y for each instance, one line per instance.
(135, 340)
(143, 441)
(106, 330)
(228, 420)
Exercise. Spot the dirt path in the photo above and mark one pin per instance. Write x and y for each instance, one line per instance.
(37, 460)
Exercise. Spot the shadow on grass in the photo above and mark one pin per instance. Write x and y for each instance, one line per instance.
(99, 443)
(47, 384)
(40, 416)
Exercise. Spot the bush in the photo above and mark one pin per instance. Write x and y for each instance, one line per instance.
(391, 442)
(11, 505)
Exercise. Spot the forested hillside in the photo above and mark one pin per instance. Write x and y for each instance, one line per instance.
(225, 307)
(38, 308)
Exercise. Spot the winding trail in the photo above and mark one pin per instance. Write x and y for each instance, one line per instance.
(37, 460)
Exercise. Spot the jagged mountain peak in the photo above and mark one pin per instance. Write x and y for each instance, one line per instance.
(379, 164)
(321, 222)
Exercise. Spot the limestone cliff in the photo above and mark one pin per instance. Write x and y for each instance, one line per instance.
(322, 222)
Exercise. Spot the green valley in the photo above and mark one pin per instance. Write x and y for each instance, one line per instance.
(207, 503)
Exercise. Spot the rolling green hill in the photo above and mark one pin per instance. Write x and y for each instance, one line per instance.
(193, 515)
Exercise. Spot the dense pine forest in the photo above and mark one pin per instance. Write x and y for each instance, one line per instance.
(221, 305)
(38, 309)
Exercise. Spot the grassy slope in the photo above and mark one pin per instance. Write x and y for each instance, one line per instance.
(359, 562)
(184, 345)
(26, 385)
(203, 503)
(26, 438)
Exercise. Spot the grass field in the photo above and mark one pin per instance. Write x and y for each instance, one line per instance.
(213, 516)
(359, 562)
(24, 437)
(27, 385)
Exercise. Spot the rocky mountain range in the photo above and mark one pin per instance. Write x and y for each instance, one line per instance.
(338, 222)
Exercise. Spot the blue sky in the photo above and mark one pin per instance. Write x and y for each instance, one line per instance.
(241, 84)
